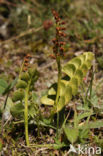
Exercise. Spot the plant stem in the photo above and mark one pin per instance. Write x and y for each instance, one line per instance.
(91, 84)
(26, 115)
(66, 119)
(18, 122)
(58, 89)
(59, 79)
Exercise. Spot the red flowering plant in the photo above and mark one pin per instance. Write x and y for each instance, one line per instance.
(58, 48)
(23, 96)
(76, 69)
(58, 53)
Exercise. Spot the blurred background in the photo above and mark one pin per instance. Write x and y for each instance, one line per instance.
(28, 26)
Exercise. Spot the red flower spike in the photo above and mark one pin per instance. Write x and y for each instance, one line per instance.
(58, 43)
(26, 62)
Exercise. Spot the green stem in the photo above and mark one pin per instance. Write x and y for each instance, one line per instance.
(18, 122)
(26, 115)
(59, 79)
(63, 125)
(50, 146)
(58, 90)
(43, 145)
(91, 85)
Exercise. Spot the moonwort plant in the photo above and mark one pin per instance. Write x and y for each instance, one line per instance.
(58, 51)
(75, 70)
(22, 95)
